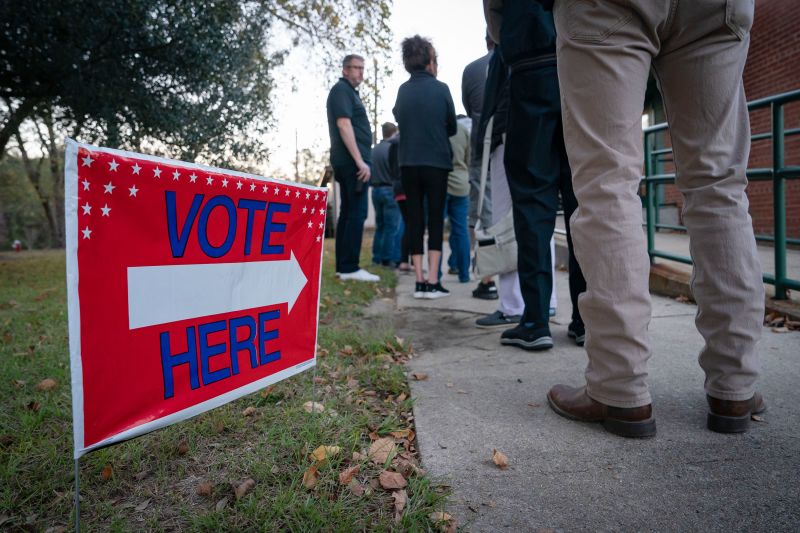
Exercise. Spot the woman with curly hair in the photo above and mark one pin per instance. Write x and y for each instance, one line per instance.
(426, 117)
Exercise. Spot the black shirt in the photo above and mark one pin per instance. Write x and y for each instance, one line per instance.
(344, 102)
(426, 117)
(381, 165)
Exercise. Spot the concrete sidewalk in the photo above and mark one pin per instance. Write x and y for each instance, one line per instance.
(569, 476)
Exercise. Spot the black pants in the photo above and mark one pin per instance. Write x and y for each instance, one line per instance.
(537, 169)
(352, 213)
(404, 249)
(421, 184)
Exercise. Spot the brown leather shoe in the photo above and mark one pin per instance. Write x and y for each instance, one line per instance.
(575, 404)
(728, 416)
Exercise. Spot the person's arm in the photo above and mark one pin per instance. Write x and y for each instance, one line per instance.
(349, 139)
(451, 113)
(464, 92)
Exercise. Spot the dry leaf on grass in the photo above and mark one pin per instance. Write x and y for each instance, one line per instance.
(47, 384)
(357, 489)
(347, 475)
(347, 350)
(439, 516)
(419, 376)
(392, 480)
(352, 383)
(182, 448)
(142, 506)
(313, 407)
(381, 450)
(358, 457)
(249, 411)
(204, 489)
(106, 473)
(400, 499)
(34, 406)
(323, 452)
(310, 477)
(221, 504)
(500, 459)
(402, 397)
(243, 488)
(403, 434)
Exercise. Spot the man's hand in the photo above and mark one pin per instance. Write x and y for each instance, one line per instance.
(363, 171)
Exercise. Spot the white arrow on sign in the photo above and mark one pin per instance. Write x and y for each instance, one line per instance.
(162, 294)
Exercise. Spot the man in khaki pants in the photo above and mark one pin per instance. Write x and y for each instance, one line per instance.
(697, 51)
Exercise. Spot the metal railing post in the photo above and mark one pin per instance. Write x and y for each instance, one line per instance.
(649, 199)
(779, 200)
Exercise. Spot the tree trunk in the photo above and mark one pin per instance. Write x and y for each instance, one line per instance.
(34, 175)
(15, 118)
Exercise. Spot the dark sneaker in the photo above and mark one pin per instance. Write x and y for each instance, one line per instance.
(527, 338)
(577, 332)
(498, 318)
(485, 291)
(421, 289)
(436, 291)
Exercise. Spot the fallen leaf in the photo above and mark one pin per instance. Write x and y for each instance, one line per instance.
(323, 452)
(313, 407)
(310, 477)
(352, 383)
(398, 340)
(106, 473)
(249, 411)
(381, 450)
(221, 504)
(534, 405)
(141, 475)
(401, 434)
(439, 516)
(52, 529)
(419, 376)
(357, 488)
(47, 384)
(757, 418)
(347, 350)
(682, 299)
(449, 385)
(243, 488)
(392, 480)
(347, 292)
(347, 475)
(358, 457)
(34, 406)
(400, 500)
(142, 506)
(782, 329)
(204, 489)
(402, 397)
(500, 459)
(183, 448)
(266, 392)
(18, 383)
(373, 436)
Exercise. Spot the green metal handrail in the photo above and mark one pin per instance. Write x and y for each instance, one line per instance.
(778, 174)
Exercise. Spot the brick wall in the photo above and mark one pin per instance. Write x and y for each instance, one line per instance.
(773, 66)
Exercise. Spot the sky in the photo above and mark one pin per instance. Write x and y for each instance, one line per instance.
(456, 28)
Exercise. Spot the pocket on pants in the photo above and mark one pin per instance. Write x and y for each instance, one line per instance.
(739, 16)
(595, 21)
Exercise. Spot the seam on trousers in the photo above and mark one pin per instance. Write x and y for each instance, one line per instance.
(670, 18)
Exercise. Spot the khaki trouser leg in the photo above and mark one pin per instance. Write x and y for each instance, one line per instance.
(604, 54)
(700, 75)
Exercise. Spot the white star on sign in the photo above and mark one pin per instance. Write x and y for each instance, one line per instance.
(264, 189)
(113, 165)
(109, 188)
(157, 173)
(136, 168)
(133, 190)
(317, 238)
(85, 184)
(176, 175)
(321, 211)
(316, 196)
(288, 192)
(320, 225)
(276, 190)
(87, 161)
(106, 210)
(87, 209)
(305, 209)
(308, 195)
(193, 177)
(209, 180)
(313, 209)
(252, 187)
(238, 185)
(297, 194)
(310, 224)
(224, 182)
(86, 232)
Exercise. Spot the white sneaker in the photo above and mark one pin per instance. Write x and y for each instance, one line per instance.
(360, 275)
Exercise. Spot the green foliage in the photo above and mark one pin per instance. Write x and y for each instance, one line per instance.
(23, 215)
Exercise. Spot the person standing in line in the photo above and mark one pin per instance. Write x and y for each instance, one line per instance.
(351, 139)
(426, 116)
(387, 214)
(536, 164)
(404, 253)
(697, 51)
(457, 201)
(473, 81)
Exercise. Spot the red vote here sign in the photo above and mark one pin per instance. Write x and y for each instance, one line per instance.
(188, 287)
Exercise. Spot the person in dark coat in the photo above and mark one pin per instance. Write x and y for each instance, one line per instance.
(426, 116)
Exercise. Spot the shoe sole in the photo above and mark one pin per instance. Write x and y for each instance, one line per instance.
(633, 430)
(436, 295)
(730, 424)
(486, 297)
(579, 340)
(419, 295)
(542, 343)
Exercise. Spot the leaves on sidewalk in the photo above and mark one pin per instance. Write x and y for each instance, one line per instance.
(500, 459)
(419, 376)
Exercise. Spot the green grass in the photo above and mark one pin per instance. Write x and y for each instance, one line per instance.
(154, 480)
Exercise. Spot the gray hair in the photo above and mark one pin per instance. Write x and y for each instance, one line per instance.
(348, 58)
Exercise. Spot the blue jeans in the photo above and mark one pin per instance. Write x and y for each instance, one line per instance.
(387, 224)
(352, 213)
(456, 208)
